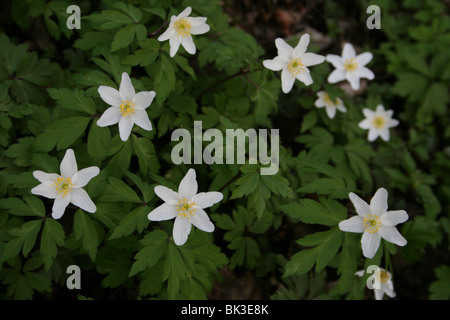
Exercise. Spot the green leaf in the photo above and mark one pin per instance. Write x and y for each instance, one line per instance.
(155, 245)
(98, 142)
(124, 37)
(246, 185)
(72, 100)
(117, 190)
(87, 230)
(25, 239)
(32, 206)
(440, 289)
(145, 151)
(52, 236)
(326, 212)
(135, 220)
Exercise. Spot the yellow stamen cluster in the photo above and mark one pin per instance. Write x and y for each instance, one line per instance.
(382, 276)
(327, 100)
(371, 223)
(186, 208)
(127, 108)
(63, 185)
(295, 67)
(378, 122)
(183, 27)
(350, 64)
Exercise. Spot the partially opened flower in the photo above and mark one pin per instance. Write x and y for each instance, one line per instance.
(324, 100)
(375, 222)
(67, 187)
(378, 123)
(381, 284)
(350, 67)
(293, 62)
(181, 29)
(186, 206)
(127, 107)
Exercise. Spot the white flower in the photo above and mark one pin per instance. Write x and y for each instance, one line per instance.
(66, 187)
(186, 206)
(181, 29)
(324, 100)
(378, 123)
(383, 279)
(350, 67)
(375, 222)
(293, 62)
(127, 107)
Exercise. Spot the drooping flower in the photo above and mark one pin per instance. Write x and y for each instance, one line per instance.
(381, 284)
(293, 62)
(324, 100)
(378, 123)
(350, 67)
(127, 107)
(67, 187)
(181, 29)
(374, 222)
(186, 206)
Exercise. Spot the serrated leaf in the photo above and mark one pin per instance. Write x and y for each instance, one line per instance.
(155, 245)
(52, 237)
(86, 230)
(72, 100)
(135, 220)
(327, 212)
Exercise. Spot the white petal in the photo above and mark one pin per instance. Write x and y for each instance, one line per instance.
(301, 46)
(284, 50)
(384, 134)
(336, 76)
(184, 13)
(392, 218)
(126, 87)
(196, 21)
(370, 243)
(341, 108)
(305, 77)
(45, 178)
(320, 103)
(378, 294)
(380, 109)
(311, 59)
(174, 45)
(59, 206)
(364, 72)
(368, 113)
(181, 230)
(202, 221)
(45, 191)
(207, 199)
(348, 52)
(110, 95)
(188, 186)
(287, 81)
(331, 111)
(365, 124)
(188, 44)
(125, 127)
(68, 166)
(361, 207)
(201, 28)
(276, 64)
(390, 123)
(388, 288)
(169, 33)
(82, 177)
(379, 202)
(364, 58)
(163, 212)
(141, 119)
(109, 117)
(373, 135)
(144, 99)
(167, 195)
(392, 235)
(353, 224)
(335, 60)
(80, 198)
(353, 79)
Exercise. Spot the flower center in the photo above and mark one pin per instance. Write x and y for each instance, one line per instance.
(183, 27)
(127, 108)
(63, 185)
(371, 223)
(378, 122)
(295, 67)
(327, 100)
(382, 276)
(350, 64)
(186, 208)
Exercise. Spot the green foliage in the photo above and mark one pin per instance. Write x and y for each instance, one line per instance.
(280, 228)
